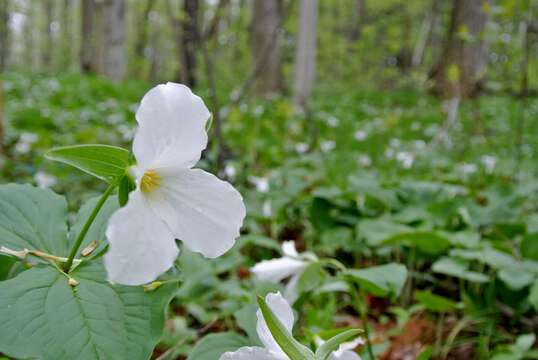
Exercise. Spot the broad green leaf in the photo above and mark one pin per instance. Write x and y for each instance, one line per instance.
(108, 163)
(97, 230)
(213, 346)
(435, 302)
(458, 268)
(33, 218)
(379, 230)
(533, 295)
(246, 319)
(516, 277)
(325, 350)
(312, 277)
(384, 280)
(283, 338)
(529, 246)
(429, 242)
(44, 317)
(492, 257)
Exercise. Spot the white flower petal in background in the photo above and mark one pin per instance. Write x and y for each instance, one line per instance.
(345, 352)
(406, 159)
(489, 163)
(301, 148)
(360, 135)
(290, 265)
(251, 353)
(172, 201)
(261, 183)
(141, 245)
(327, 145)
(276, 270)
(44, 180)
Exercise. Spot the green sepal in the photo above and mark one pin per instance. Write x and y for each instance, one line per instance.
(290, 346)
(126, 185)
(333, 343)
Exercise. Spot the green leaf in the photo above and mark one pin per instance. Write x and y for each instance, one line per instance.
(384, 280)
(98, 228)
(312, 277)
(458, 268)
(333, 343)
(425, 354)
(533, 295)
(246, 319)
(427, 241)
(435, 302)
(516, 277)
(283, 338)
(529, 246)
(33, 219)
(108, 163)
(213, 346)
(44, 317)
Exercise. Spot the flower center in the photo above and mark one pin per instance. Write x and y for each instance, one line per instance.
(150, 181)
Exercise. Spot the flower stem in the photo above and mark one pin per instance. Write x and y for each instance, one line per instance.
(86, 227)
(364, 318)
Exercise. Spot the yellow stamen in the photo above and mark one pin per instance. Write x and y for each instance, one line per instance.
(150, 181)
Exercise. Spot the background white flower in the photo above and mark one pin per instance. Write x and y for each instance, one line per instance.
(172, 200)
(271, 350)
(289, 265)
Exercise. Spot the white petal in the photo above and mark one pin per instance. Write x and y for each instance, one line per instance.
(345, 355)
(282, 310)
(251, 353)
(141, 245)
(290, 293)
(203, 211)
(344, 350)
(277, 270)
(171, 129)
(288, 248)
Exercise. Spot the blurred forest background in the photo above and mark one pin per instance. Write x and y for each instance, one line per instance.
(371, 131)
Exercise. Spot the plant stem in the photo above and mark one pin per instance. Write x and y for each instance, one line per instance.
(364, 319)
(86, 227)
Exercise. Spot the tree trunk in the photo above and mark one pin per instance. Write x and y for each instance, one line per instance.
(189, 39)
(142, 38)
(426, 33)
(46, 56)
(4, 34)
(461, 67)
(266, 52)
(305, 62)
(88, 58)
(114, 63)
(358, 19)
(66, 54)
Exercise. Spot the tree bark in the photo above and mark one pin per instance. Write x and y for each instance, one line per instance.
(46, 56)
(114, 61)
(88, 58)
(357, 20)
(461, 67)
(265, 45)
(4, 34)
(426, 33)
(66, 54)
(142, 37)
(189, 40)
(305, 62)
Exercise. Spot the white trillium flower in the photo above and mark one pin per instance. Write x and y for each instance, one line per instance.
(172, 200)
(344, 350)
(290, 265)
(489, 163)
(271, 350)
